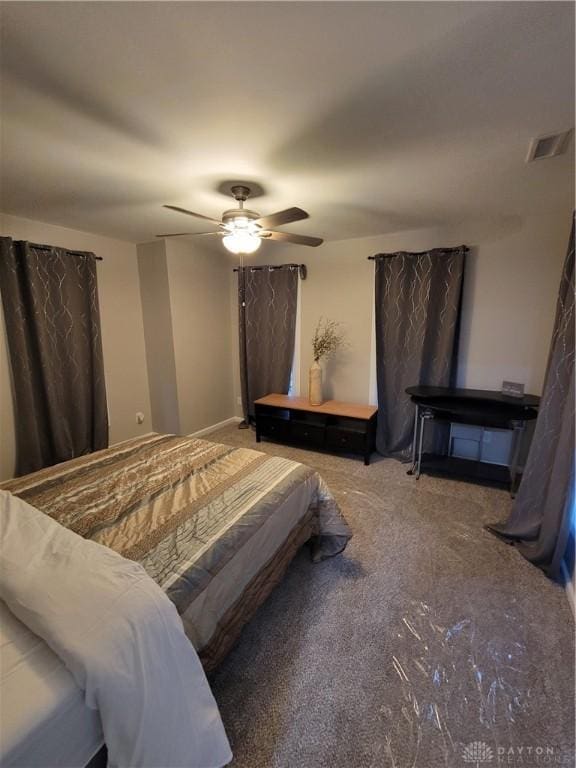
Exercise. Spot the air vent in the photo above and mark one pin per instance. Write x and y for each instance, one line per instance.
(548, 146)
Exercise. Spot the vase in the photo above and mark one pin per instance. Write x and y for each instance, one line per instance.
(315, 384)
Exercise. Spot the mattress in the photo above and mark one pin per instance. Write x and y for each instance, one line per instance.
(43, 719)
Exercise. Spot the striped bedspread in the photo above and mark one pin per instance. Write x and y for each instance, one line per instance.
(181, 507)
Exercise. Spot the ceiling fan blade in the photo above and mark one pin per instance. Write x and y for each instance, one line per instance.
(192, 234)
(191, 213)
(282, 217)
(288, 237)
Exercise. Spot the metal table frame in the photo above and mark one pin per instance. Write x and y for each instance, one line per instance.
(424, 414)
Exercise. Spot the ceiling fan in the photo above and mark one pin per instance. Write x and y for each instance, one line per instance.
(242, 231)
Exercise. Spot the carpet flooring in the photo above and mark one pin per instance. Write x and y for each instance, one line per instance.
(427, 643)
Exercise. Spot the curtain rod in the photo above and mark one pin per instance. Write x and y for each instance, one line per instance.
(464, 248)
(272, 267)
(72, 253)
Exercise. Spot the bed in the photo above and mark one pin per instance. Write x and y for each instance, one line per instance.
(214, 526)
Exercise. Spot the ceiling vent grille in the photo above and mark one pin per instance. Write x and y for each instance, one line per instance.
(548, 146)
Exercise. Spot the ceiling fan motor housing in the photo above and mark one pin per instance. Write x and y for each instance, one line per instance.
(240, 218)
(231, 216)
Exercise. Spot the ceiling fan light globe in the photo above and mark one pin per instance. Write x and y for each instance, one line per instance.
(253, 243)
(241, 242)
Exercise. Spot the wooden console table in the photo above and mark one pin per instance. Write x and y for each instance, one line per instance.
(332, 426)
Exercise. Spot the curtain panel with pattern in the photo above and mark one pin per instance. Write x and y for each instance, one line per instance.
(418, 304)
(267, 301)
(50, 303)
(539, 524)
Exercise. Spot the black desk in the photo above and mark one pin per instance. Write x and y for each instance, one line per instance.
(477, 407)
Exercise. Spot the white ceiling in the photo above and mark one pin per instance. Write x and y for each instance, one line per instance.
(375, 117)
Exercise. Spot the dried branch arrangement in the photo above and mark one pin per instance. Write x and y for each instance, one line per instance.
(327, 339)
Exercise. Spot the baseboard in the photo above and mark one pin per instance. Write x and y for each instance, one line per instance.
(214, 427)
(570, 587)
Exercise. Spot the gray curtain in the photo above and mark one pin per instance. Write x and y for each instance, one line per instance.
(267, 298)
(418, 299)
(540, 519)
(50, 302)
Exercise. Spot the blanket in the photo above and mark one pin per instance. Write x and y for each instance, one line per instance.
(185, 509)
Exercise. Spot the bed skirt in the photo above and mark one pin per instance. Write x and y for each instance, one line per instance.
(231, 624)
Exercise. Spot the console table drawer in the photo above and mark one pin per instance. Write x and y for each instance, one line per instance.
(313, 434)
(273, 427)
(339, 439)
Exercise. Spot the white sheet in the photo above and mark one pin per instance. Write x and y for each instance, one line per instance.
(120, 637)
(43, 718)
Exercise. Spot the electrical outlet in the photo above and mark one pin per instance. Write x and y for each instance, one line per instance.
(140, 418)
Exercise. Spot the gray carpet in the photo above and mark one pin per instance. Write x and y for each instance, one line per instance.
(427, 635)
